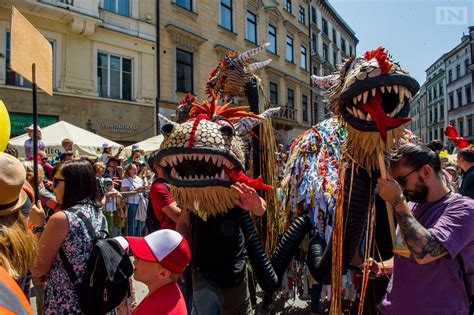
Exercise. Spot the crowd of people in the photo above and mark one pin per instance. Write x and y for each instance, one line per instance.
(129, 197)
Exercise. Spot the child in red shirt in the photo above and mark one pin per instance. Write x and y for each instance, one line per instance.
(160, 258)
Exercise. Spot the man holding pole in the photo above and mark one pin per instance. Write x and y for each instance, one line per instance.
(438, 230)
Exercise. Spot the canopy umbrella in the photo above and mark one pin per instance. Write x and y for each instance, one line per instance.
(85, 142)
(149, 145)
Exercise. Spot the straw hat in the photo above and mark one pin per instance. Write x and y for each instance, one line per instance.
(12, 177)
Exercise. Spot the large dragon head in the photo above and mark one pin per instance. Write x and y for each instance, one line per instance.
(204, 155)
(372, 94)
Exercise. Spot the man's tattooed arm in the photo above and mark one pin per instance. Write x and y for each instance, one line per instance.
(418, 239)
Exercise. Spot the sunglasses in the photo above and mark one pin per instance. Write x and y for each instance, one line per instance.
(402, 180)
(56, 181)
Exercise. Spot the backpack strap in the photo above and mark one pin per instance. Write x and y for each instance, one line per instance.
(67, 265)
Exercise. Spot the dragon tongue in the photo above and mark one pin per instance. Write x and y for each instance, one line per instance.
(381, 119)
(237, 176)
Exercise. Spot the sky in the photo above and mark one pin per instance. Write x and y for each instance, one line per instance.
(415, 32)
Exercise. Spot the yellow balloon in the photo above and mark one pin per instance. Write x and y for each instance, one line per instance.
(4, 127)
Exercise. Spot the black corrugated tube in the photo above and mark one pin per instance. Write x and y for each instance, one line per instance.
(319, 255)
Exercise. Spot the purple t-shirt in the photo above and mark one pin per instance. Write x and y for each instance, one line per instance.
(437, 287)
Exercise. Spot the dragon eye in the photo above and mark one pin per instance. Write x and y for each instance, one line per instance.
(227, 131)
(167, 128)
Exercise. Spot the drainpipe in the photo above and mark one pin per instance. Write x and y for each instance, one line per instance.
(157, 51)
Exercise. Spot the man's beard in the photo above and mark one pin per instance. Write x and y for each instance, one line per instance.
(419, 194)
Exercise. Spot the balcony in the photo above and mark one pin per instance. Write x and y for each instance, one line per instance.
(286, 113)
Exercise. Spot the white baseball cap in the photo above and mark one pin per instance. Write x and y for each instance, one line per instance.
(167, 247)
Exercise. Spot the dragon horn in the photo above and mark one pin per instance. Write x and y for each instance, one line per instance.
(325, 81)
(252, 52)
(164, 120)
(245, 125)
(257, 65)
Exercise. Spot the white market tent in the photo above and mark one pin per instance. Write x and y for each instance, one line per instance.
(149, 145)
(85, 142)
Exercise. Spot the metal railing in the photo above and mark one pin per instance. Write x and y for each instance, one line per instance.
(286, 113)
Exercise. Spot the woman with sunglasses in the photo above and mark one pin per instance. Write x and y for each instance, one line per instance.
(76, 190)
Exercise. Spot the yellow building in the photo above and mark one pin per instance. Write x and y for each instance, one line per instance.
(104, 75)
(195, 34)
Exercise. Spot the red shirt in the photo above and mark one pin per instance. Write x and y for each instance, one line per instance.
(167, 300)
(160, 197)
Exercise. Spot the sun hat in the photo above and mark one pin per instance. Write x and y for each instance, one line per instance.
(135, 148)
(106, 146)
(12, 177)
(31, 127)
(108, 180)
(167, 247)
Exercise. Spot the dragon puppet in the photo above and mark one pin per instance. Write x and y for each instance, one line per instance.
(205, 152)
(333, 167)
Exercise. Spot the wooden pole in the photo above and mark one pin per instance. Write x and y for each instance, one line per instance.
(35, 135)
(391, 222)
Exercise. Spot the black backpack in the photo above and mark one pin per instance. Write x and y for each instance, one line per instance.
(106, 280)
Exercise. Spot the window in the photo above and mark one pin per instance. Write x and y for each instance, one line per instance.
(315, 70)
(187, 4)
(334, 36)
(441, 113)
(251, 27)
(114, 76)
(451, 101)
(431, 135)
(469, 127)
(441, 89)
(468, 94)
(226, 14)
(431, 116)
(350, 50)
(461, 128)
(272, 39)
(441, 134)
(121, 7)
(288, 6)
(334, 58)
(184, 71)
(314, 43)
(343, 45)
(325, 52)
(325, 27)
(289, 49)
(458, 71)
(302, 15)
(314, 16)
(450, 76)
(466, 66)
(304, 101)
(291, 99)
(435, 92)
(430, 97)
(435, 114)
(303, 59)
(273, 93)
(436, 134)
(459, 93)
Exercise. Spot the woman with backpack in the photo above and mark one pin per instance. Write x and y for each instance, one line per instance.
(67, 235)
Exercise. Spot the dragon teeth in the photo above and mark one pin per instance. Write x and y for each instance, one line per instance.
(222, 174)
(395, 88)
(365, 95)
(355, 100)
(359, 97)
(389, 88)
(374, 90)
(369, 118)
(401, 95)
(382, 88)
(350, 111)
(361, 115)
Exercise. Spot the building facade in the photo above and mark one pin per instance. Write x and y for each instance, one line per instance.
(435, 109)
(104, 77)
(195, 34)
(459, 78)
(332, 42)
(418, 112)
